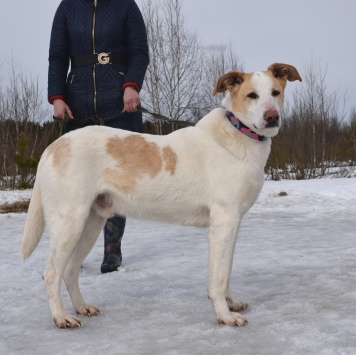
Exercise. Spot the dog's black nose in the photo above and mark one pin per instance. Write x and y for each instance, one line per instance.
(272, 118)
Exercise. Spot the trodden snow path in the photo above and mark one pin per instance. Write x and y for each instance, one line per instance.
(295, 264)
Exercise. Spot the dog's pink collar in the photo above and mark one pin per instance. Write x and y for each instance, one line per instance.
(244, 129)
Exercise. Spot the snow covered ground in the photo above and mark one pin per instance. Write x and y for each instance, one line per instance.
(295, 264)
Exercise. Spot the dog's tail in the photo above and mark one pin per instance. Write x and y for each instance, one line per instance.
(34, 225)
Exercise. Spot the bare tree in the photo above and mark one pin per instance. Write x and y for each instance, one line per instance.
(352, 135)
(22, 110)
(345, 150)
(217, 60)
(182, 74)
(175, 71)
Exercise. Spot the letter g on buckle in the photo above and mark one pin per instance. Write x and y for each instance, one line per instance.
(104, 58)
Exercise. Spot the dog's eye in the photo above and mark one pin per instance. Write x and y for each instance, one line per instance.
(275, 93)
(252, 95)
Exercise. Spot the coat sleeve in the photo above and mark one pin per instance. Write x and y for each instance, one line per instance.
(58, 55)
(137, 47)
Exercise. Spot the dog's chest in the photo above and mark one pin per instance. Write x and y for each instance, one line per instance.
(245, 184)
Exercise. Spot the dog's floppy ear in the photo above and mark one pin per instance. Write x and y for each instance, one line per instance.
(228, 81)
(284, 72)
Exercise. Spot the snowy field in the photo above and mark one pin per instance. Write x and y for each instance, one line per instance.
(295, 264)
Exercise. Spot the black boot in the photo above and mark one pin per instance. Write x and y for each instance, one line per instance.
(112, 258)
(113, 232)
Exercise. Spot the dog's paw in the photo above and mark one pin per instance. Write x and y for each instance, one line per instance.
(236, 306)
(88, 310)
(233, 319)
(67, 322)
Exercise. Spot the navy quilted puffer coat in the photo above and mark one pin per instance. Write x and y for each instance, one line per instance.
(94, 26)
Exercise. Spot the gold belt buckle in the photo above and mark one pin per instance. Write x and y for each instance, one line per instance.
(104, 58)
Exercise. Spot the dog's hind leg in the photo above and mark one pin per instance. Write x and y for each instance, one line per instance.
(222, 237)
(91, 231)
(65, 231)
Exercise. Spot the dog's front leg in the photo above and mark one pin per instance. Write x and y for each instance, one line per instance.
(222, 237)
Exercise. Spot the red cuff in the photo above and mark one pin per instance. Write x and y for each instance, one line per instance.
(55, 97)
(131, 83)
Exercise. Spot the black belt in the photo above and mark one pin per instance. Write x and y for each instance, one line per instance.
(98, 58)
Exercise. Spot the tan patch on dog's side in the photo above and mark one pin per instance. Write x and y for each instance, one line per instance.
(136, 156)
(170, 159)
(60, 150)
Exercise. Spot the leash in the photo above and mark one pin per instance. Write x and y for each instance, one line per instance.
(158, 116)
(164, 118)
(60, 125)
(100, 121)
(140, 108)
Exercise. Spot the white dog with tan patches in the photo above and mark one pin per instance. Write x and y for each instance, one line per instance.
(205, 176)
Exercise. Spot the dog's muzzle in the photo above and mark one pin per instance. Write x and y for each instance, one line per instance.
(271, 118)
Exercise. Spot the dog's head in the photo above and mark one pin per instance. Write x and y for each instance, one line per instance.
(257, 98)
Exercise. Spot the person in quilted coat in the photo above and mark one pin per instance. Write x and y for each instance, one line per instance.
(104, 44)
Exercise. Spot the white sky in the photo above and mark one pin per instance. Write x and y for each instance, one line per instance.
(262, 32)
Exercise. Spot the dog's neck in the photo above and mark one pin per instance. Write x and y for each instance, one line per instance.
(244, 129)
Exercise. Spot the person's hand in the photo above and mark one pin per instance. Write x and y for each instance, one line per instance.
(131, 100)
(60, 108)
